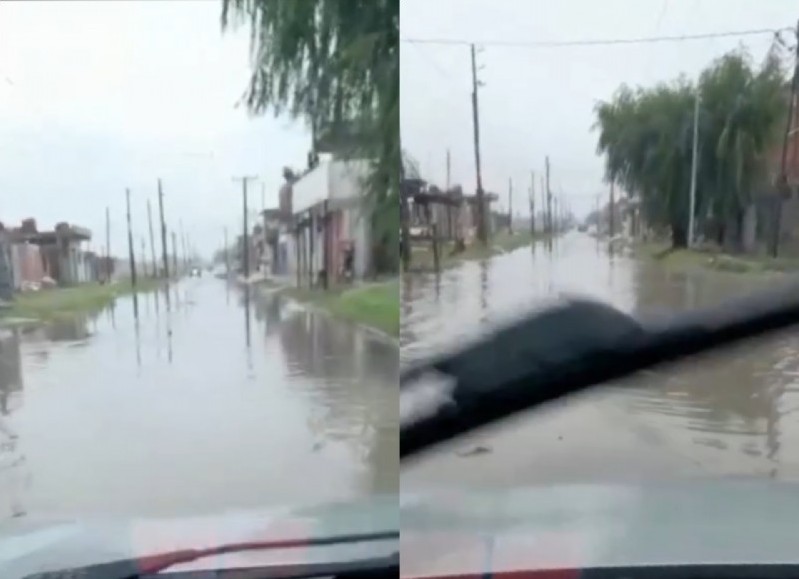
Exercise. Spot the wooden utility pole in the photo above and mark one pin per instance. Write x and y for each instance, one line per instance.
(143, 259)
(549, 199)
(107, 244)
(164, 249)
(544, 225)
(555, 215)
(185, 259)
(510, 205)
(246, 236)
(783, 187)
(131, 256)
(532, 202)
(481, 209)
(174, 253)
(612, 212)
(152, 238)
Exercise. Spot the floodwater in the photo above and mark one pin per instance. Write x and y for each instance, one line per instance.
(735, 413)
(217, 403)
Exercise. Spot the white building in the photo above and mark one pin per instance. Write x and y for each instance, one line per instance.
(334, 186)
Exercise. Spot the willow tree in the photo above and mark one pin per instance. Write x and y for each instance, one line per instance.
(743, 115)
(645, 136)
(334, 63)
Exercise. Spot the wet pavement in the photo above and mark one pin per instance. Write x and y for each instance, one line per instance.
(731, 414)
(218, 403)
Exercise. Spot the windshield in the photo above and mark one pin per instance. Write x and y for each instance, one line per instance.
(640, 154)
(198, 295)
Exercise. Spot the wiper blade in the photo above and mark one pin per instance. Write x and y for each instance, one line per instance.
(154, 564)
(564, 350)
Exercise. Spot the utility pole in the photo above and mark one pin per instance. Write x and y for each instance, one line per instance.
(544, 226)
(185, 259)
(164, 249)
(783, 188)
(131, 256)
(448, 170)
(174, 253)
(107, 244)
(612, 215)
(532, 203)
(510, 205)
(152, 239)
(549, 199)
(246, 237)
(143, 259)
(694, 163)
(555, 216)
(481, 215)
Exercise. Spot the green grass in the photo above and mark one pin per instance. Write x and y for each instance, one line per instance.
(714, 259)
(57, 303)
(374, 305)
(502, 242)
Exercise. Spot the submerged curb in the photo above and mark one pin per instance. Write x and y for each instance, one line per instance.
(377, 333)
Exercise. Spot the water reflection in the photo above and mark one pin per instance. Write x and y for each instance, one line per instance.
(10, 370)
(13, 467)
(213, 425)
(353, 389)
(484, 266)
(69, 329)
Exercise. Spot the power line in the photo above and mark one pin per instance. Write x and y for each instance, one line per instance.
(592, 42)
(430, 60)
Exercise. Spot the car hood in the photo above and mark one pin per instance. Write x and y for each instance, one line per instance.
(590, 526)
(30, 545)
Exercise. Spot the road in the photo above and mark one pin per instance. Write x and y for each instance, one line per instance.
(731, 414)
(207, 406)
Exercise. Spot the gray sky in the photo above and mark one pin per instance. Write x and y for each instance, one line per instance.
(99, 96)
(539, 101)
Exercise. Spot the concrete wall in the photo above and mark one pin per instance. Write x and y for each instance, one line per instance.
(312, 188)
(347, 182)
(336, 180)
(27, 263)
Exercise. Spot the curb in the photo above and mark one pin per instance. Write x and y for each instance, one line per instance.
(374, 332)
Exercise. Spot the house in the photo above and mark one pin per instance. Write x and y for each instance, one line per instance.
(272, 224)
(454, 213)
(329, 233)
(57, 254)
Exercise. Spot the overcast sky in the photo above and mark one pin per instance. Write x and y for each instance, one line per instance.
(99, 96)
(539, 101)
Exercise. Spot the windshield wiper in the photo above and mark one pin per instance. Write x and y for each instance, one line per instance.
(136, 568)
(563, 350)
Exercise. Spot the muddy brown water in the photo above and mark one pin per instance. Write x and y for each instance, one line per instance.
(220, 403)
(735, 413)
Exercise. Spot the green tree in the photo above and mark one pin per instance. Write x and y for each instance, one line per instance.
(743, 114)
(645, 136)
(334, 63)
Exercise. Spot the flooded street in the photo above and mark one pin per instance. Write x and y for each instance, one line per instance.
(211, 406)
(731, 414)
